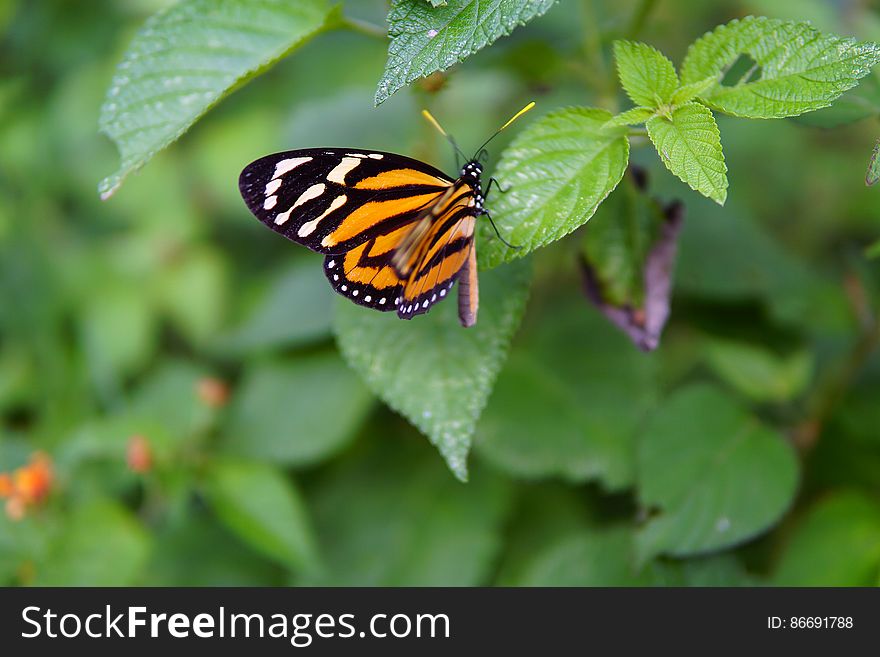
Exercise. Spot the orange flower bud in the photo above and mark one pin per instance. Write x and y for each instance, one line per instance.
(139, 454)
(6, 487)
(212, 392)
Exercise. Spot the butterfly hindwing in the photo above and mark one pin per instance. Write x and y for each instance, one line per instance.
(332, 200)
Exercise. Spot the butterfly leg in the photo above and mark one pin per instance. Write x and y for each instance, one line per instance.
(497, 184)
(485, 212)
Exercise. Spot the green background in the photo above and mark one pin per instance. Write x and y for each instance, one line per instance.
(744, 451)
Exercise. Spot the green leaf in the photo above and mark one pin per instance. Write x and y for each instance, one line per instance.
(759, 373)
(261, 506)
(837, 543)
(187, 58)
(873, 251)
(557, 172)
(627, 261)
(295, 309)
(100, 544)
(581, 387)
(646, 75)
(394, 517)
(633, 116)
(192, 292)
(119, 332)
(714, 475)
(796, 68)
(689, 144)
(688, 92)
(426, 39)
(617, 241)
(592, 557)
(855, 105)
(433, 372)
(196, 551)
(297, 411)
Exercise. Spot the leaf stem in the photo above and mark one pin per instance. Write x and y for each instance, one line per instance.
(364, 27)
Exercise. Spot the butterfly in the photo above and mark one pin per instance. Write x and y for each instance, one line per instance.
(396, 233)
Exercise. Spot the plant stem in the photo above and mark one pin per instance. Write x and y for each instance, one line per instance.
(833, 389)
(364, 27)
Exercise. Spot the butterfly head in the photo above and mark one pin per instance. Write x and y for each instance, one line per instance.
(471, 172)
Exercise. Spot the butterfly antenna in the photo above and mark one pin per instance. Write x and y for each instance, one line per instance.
(436, 124)
(511, 120)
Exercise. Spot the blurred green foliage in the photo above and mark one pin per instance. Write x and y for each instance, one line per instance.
(177, 362)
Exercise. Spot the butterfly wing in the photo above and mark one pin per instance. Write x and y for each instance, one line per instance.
(333, 200)
(440, 257)
(396, 232)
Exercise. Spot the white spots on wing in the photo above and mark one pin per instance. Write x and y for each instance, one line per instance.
(312, 192)
(360, 155)
(284, 216)
(270, 202)
(376, 156)
(368, 298)
(442, 293)
(354, 293)
(335, 277)
(331, 264)
(344, 288)
(309, 227)
(425, 304)
(397, 301)
(289, 164)
(273, 186)
(433, 298)
(342, 169)
(382, 301)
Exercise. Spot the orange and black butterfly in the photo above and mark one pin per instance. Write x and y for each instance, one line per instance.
(396, 233)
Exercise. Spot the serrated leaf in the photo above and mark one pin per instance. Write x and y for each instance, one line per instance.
(688, 92)
(188, 57)
(646, 74)
(433, 372)
(801, 69)
(426, 39)
(689, 144)
(856, 104)
(296, 411)
(714, 475)
(577, 384)
(633, 116)
(394, 517)
(836, 543)
(557, 172)
(260, 505)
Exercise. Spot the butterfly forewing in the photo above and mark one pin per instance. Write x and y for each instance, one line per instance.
(332, 200)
